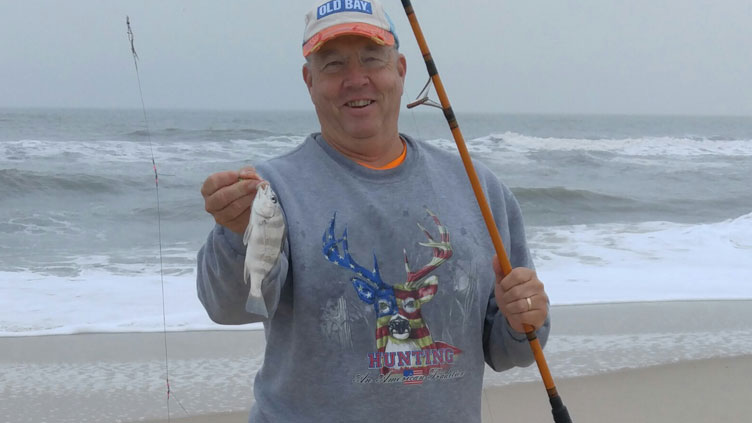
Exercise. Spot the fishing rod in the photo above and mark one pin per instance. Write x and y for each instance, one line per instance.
(559, 411)
(159, 222)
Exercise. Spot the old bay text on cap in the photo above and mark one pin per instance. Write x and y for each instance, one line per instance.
(335, 18)
(335, 6)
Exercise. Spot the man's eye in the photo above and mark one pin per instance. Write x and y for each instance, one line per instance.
(372, 61)
(333, 65)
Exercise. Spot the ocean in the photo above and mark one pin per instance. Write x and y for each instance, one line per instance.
(618, 208)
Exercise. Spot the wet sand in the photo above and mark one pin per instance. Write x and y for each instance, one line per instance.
(713, 390)
(647, 362)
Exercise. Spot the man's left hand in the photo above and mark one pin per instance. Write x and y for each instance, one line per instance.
(520, 297)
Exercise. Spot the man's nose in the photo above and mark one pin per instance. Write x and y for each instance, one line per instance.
(355, 75)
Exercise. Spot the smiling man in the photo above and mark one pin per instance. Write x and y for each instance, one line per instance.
(385, 301)
(356, 86)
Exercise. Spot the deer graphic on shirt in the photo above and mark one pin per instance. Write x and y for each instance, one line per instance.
(400, 328)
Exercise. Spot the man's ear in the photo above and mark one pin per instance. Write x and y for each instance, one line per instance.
(307, 77)
(402, 66)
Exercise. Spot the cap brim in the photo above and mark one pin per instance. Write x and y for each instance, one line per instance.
(378, 35)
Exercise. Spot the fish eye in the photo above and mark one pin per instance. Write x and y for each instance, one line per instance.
(274, 198)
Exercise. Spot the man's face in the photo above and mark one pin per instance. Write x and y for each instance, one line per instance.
(356, 86)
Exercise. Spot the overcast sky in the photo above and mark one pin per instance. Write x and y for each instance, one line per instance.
(545, 56)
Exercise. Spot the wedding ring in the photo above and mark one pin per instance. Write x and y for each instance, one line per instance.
(529, 304)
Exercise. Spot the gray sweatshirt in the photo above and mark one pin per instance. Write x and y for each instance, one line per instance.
(351, 335)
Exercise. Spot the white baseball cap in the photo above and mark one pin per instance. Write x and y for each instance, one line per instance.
(334, 18)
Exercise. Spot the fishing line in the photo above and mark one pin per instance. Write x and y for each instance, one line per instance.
(159, 222)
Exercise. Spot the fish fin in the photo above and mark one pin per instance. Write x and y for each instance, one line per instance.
(247, 233)
(248, 259)
(246, 270)
(256, 305)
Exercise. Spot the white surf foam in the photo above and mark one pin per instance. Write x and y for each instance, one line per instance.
(580, 264)
(644, 146)
(649, 261)
(133, 152)
(98, 301)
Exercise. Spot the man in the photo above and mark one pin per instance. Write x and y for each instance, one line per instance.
(385, 302)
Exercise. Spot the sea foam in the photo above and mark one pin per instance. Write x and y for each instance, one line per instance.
(648, 261)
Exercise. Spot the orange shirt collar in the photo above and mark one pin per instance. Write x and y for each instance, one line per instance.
(391, 165)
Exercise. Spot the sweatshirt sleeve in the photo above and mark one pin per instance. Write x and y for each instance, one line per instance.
(504, 347)
(219, 279)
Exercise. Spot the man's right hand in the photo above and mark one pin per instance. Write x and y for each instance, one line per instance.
(228, 197)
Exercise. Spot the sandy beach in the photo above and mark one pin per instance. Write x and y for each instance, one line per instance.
(646, 362)
(713, 390)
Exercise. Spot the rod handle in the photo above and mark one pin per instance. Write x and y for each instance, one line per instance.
(559, 410)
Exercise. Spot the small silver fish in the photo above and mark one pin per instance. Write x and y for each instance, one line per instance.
(263, 238)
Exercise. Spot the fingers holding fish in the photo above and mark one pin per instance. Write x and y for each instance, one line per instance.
(228, 198)
(225, 196)
(236, 215)
(248, 172)
(217, 181)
